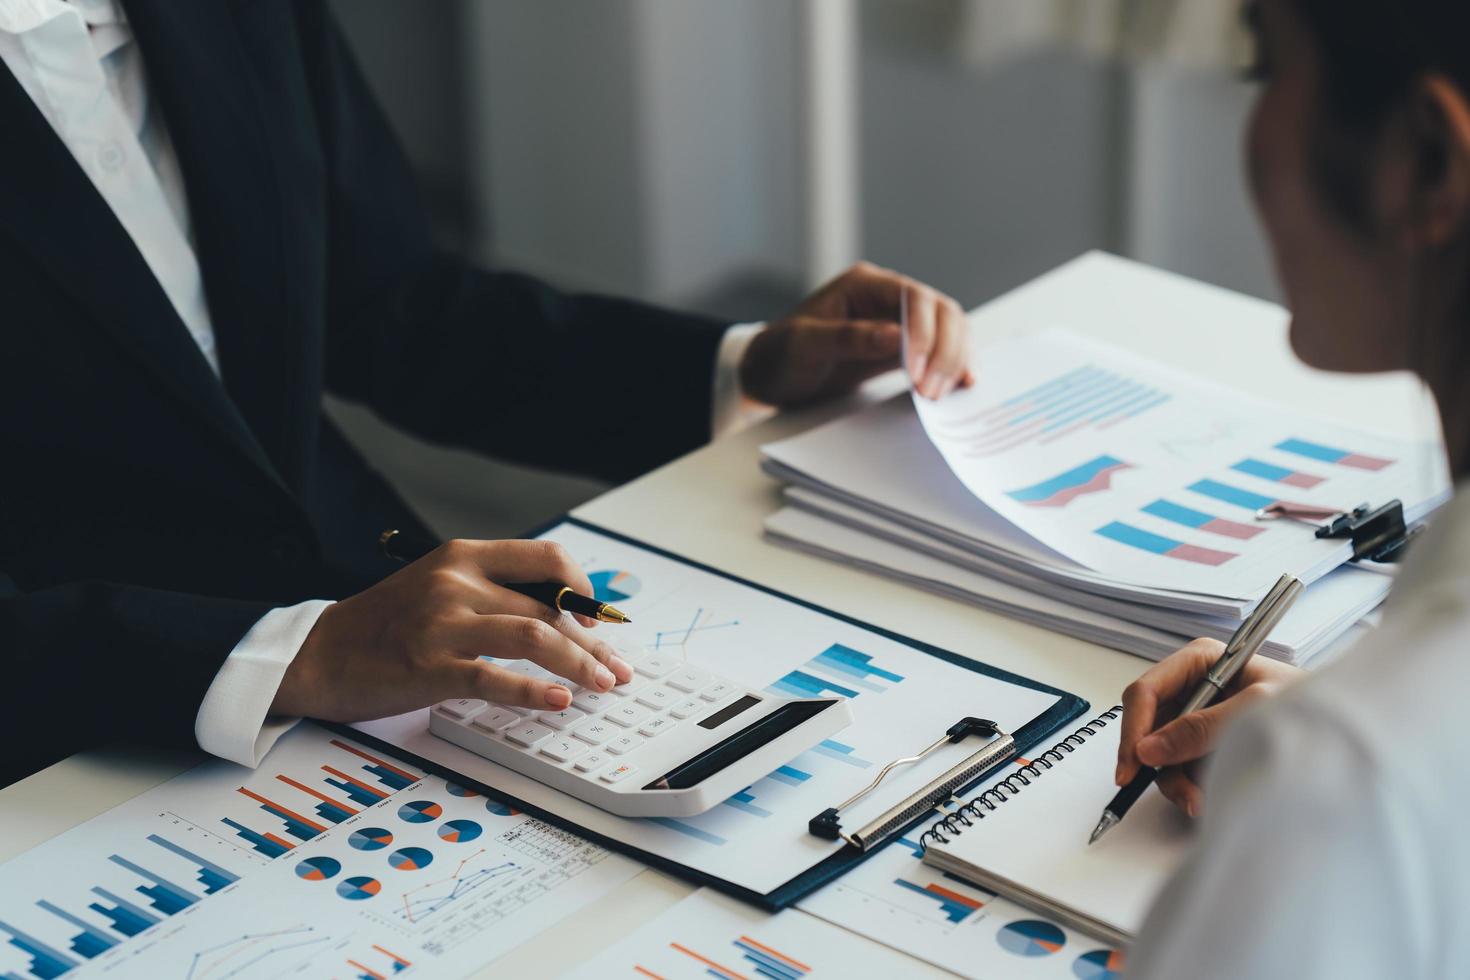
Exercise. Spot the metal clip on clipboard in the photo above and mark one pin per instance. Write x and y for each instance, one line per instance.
(1377, 533)
(828, 825)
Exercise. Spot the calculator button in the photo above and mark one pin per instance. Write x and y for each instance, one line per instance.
(594, 732)
(688, 679)
(528, 734)
(496, 719)
(590, 761)
(655, 726)
(619, 773)
(561, 720)
(718, 691)
(687, 708)
(593, 701)
(461, 709)
(519, 709)
(624, 744)
(631, 688)
(563, 749)
(626, 715)
(657, 698)
(655, 665)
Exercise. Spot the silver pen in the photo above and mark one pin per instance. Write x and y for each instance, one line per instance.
(1242, 646)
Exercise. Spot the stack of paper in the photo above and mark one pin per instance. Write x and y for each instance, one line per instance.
(1090, 491)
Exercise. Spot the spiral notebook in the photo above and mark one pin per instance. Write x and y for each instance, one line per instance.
(1025, 838)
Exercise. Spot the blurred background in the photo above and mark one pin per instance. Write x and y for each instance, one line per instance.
(728, 155)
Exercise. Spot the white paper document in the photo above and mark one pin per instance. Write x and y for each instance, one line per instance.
(1151, 476)
(329, 860)
(1032, 846)
(829, 528)
(708, 935)
(902, 699)
(897, 900)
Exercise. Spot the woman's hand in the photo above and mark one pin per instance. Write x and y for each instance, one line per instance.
(1152, 735)
(848, 331)
(416, 638)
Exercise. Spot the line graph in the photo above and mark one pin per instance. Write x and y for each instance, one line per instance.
(422, 902)
(230, 958)
(679, 638)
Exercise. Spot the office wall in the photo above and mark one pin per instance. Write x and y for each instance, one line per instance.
(654, 148)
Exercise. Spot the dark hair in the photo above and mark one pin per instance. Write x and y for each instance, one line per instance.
(1372, 52)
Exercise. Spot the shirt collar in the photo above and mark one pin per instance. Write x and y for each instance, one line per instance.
(22, 16)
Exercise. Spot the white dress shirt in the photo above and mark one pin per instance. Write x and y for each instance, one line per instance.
(1334, 840)
(77, 61)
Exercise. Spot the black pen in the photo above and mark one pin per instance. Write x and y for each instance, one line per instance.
(1242, 646)
(407, 547)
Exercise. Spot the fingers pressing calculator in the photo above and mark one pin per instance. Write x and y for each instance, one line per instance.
(672, 742)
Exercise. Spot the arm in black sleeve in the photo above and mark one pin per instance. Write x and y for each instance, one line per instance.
(94, 663)
(492, 360)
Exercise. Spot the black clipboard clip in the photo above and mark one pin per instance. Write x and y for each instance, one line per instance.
(828, 824)
(1377, 533)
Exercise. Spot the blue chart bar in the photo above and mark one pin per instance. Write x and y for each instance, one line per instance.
(127, 918)
(790, 775)
(45, 961)
(90, 941)
(259, 842)
(833, 749)
(800, 684)
(745, 800)
(167, 897)
(688, 830)
(1231, 495)
(855, 666)
(767, 962)
(954, 906)
(211, 876)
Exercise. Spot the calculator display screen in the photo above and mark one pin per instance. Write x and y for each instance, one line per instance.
(740, 744)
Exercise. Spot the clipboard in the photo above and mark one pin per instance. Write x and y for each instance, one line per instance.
(820, 871)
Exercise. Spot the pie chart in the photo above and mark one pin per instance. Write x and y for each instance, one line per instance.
(318, 868)
(459, 831)
(420, 811)
(370, 839)
(410, 858)
(1100, 964)
(358, 888)
(611, 585)
(1029, 937)
(463, 792)
(500, 809)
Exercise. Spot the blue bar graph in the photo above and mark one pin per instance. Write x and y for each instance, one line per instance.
(1231, 495)
(767, 962)
(838, 670)
(46, 962)
(211, 876)
(790, 775)
(953, 905)
(90, 941)
(854, 666)
(688, 830)
(833, 749)
(166, 896)
(745, 801)
(259, 842)
(127, 918)
(800, 684)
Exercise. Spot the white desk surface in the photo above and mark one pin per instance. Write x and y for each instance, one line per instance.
(709, 506)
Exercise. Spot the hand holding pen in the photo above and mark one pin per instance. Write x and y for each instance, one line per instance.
(1163, 738)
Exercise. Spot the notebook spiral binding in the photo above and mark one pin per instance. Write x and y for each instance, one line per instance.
(967, 815)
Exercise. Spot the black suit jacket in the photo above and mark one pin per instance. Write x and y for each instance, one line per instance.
(151, 512)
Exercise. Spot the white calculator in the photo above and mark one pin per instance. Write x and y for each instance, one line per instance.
(672, 742)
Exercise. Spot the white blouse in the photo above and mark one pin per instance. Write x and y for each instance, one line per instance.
(1336, 835)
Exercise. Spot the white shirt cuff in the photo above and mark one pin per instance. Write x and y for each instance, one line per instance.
(731, 410)
(232, 722)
